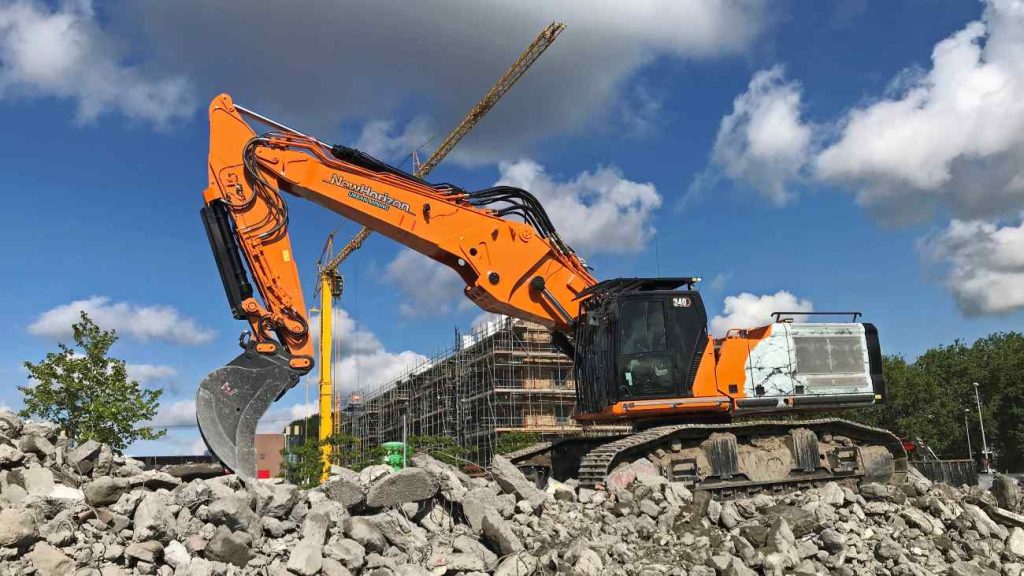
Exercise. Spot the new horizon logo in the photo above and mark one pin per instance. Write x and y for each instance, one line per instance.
(364, 193)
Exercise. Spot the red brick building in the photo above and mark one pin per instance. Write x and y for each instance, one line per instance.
(268, 455)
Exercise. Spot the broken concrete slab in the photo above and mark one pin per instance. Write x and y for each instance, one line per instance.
(83, 457)
(229, 547)
(348, 492)
(306, 559)
(50, 561)
(407, 485)
(512, 481)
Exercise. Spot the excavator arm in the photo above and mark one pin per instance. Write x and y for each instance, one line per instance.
(518, 268)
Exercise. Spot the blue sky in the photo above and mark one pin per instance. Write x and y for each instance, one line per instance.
(844, 155)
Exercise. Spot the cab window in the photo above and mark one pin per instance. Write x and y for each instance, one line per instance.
(644, 359)
(643, 326)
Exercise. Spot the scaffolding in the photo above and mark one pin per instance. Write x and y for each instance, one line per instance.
(506, 377)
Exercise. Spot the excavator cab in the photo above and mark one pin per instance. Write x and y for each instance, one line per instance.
(639, 338)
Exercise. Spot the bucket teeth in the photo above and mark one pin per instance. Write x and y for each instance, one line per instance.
(230, 402)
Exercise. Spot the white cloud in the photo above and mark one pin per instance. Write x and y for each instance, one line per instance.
(764, 142)
(175, 415)
(363, 363)
(986, 265)
(177, 442)
(749, 311)
(368, 371)
(720, 280)
(599, 211)
(349, 338)
(281, 414)
(63, 52)
(641, 111)
(148, 373)
(483, 324)
(303, 410)
(484, 320)
(952, 135)
(380, 138)
(430, 288)
(362, 360)
(143, 323)
(349, 60)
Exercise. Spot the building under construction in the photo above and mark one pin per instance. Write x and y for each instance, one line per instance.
(505, 378)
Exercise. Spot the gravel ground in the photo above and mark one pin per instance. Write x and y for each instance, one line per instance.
(86, 511)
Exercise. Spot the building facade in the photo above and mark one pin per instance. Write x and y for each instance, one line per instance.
(268, 455)
(505, 380)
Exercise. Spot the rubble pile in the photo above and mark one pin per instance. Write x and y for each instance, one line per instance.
(87, 511)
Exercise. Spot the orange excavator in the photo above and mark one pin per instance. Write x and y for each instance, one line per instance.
(641, 348)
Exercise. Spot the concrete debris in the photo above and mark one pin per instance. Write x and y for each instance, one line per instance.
(347, 491)
(87, 511)
(228, 547)
(35, 481)
(1005, 490)
(17, 528)
(512, 481)
(149, 551)
(408, 485)
(83, 457)
(50, 561)
(306, 558)
(500, 534)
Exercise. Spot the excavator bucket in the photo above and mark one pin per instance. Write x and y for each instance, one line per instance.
(231, 401)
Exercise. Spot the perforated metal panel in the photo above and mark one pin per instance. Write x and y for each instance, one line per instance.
(819, 355)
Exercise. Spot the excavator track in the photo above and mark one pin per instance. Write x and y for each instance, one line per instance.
(710, 457)
(528, 452)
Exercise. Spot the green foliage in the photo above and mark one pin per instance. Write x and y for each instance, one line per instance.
(512, 441)
(348, 451)
(303, 465)
(444, 448)
(88, 393)
(927, 398)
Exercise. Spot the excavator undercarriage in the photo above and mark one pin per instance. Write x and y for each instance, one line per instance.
(730, 458)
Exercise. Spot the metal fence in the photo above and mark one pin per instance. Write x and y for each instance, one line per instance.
(952, 472)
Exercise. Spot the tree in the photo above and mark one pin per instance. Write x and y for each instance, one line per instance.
(927, 398)
(88, 393)
(443, 448)
(303, 465)
(512, 441)
(350, 452)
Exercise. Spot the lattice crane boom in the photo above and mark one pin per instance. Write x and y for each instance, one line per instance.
(507, 80)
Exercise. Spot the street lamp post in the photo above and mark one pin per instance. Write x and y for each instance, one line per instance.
(986, 467)
(967, 428)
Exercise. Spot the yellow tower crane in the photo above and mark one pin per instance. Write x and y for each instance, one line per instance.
(331, 281)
